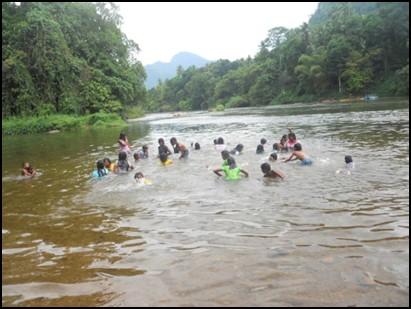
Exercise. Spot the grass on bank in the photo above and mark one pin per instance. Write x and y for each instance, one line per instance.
(37, 124)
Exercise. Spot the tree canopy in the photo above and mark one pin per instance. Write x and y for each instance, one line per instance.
(346, 49)
(67, 57)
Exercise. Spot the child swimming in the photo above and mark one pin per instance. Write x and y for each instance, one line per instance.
(143, 153)
(196, 146)
(231, 171)
(136, 157)
(299, 155)
(101, 170)
(237, 150)
(220, 146)
(260, 149)
(122, 164)
(349, 165)
(28, 170)
(141, 180)
(162, 148)
(269, 173)
(108, 165)
(283, 143)
(292, 140)
(226, 155)
(273, 157)
(175, 145)
(181, 148)
(123, 142)
(164, 159)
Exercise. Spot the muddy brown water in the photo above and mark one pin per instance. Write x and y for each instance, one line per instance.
(317, 238)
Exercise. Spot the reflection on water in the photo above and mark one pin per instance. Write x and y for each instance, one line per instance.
(317, 238)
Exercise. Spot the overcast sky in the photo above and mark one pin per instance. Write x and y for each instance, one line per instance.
(212, 30)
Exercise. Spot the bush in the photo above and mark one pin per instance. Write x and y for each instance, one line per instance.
(134, 112)
(237, 101)
(220, 108)
(28, 125)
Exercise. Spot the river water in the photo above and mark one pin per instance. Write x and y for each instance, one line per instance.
(317, 238)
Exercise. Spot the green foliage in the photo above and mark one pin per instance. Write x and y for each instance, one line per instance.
(237, 101)
(347, 49)
(134, 112)
(219, 108)
(66, 57)
(27, 125)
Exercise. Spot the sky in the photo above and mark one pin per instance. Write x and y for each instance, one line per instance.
(216, 30)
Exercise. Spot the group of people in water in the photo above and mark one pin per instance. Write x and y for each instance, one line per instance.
(228, 169)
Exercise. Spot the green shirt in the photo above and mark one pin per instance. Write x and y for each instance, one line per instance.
(231, 174)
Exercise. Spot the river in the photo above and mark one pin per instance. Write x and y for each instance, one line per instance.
(317, 238)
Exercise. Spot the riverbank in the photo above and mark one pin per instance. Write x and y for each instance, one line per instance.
(29, 125)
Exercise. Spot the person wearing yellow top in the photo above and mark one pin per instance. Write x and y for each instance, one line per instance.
(141, 180)
(165, 160)
(108, 165)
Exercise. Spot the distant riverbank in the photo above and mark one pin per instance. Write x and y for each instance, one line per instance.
(55, 123)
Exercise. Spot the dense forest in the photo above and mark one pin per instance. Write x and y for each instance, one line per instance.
(346, 49)
(72, 58)
(68, 58)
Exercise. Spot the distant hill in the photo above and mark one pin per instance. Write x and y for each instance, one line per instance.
(167, 70)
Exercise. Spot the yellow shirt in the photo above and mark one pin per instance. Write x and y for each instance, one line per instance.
(168, 162)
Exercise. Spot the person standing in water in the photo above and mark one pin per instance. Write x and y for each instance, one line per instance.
(124, 145)
(181, 148)
(231, 170)
(162, 148)
(298, 154)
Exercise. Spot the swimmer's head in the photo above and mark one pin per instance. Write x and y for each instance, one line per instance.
(265, 168)
(273, 157)
(26, 165)
(215, 141)
(263, 141)
(260, 149)
(276, 147)
(298, 147)
(220, 141)
(283, 139)
(291, 136)
(145, 148)
(231, 163)
(348, 159)
(161, 141)
(225, 154)
(197, 146)
(106, 162)
(163, 157)
(100, 164)
(173, 141)
(122, 136)
(239, 147)
(122, 156)
(138, 175)
(136, 156)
